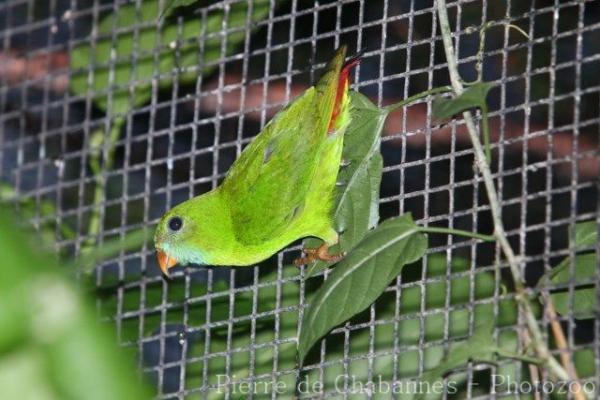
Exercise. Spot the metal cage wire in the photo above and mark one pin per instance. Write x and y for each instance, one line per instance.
(180, 143)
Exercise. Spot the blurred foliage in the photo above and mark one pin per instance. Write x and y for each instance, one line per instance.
(91, 256)
(583, 302)
(123, 67)
(51, 344)
(172, 4)
(29, 210)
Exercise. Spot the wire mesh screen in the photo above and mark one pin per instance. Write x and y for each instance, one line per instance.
(110, 116)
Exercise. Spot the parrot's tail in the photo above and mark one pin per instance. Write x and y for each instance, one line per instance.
(341, 94)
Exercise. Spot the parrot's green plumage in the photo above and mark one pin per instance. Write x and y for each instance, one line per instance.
(280, 189)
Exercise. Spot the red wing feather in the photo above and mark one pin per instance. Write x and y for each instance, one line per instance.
(339, 95)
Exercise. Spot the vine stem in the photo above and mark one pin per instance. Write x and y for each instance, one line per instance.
(457, 232)
(561, 341)
(418, 96)
(105, 145)
(537, 338)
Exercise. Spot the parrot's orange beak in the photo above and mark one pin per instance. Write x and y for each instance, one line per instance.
(164, 261)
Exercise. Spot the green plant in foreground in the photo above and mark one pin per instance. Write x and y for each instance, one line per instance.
(51, 344)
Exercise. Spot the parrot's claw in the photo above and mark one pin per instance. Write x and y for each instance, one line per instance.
(310, 251)
(319, 254)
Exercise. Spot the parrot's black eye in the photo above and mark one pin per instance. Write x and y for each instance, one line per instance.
(175, 224)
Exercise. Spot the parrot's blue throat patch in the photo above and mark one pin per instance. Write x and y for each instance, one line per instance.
(184, 255)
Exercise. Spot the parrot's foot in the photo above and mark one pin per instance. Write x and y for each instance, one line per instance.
(320, 254)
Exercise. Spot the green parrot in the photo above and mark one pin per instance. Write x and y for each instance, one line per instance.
(279, 190)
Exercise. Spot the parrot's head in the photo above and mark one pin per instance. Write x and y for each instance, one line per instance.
(170, 234)
(177, 235)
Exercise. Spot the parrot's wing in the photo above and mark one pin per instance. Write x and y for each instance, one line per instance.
(267, 185)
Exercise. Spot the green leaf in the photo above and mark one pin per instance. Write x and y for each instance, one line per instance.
(122, 68)
(50, 334)
(361, 340)
(584, 304)
(29, 209)
(90, 257)
(585, 270)
(585, 362)
(460, 287)
(586, 234)
(113, 299)
(473, 97)
(22, 376)
(357, 199)
(479, 347)
(174, 4)
(360, 278)
(416, 335)
(277, 305)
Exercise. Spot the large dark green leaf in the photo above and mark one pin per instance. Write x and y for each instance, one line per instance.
(357, 197)
(123, 67)
(474, 96)
(361, 277)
